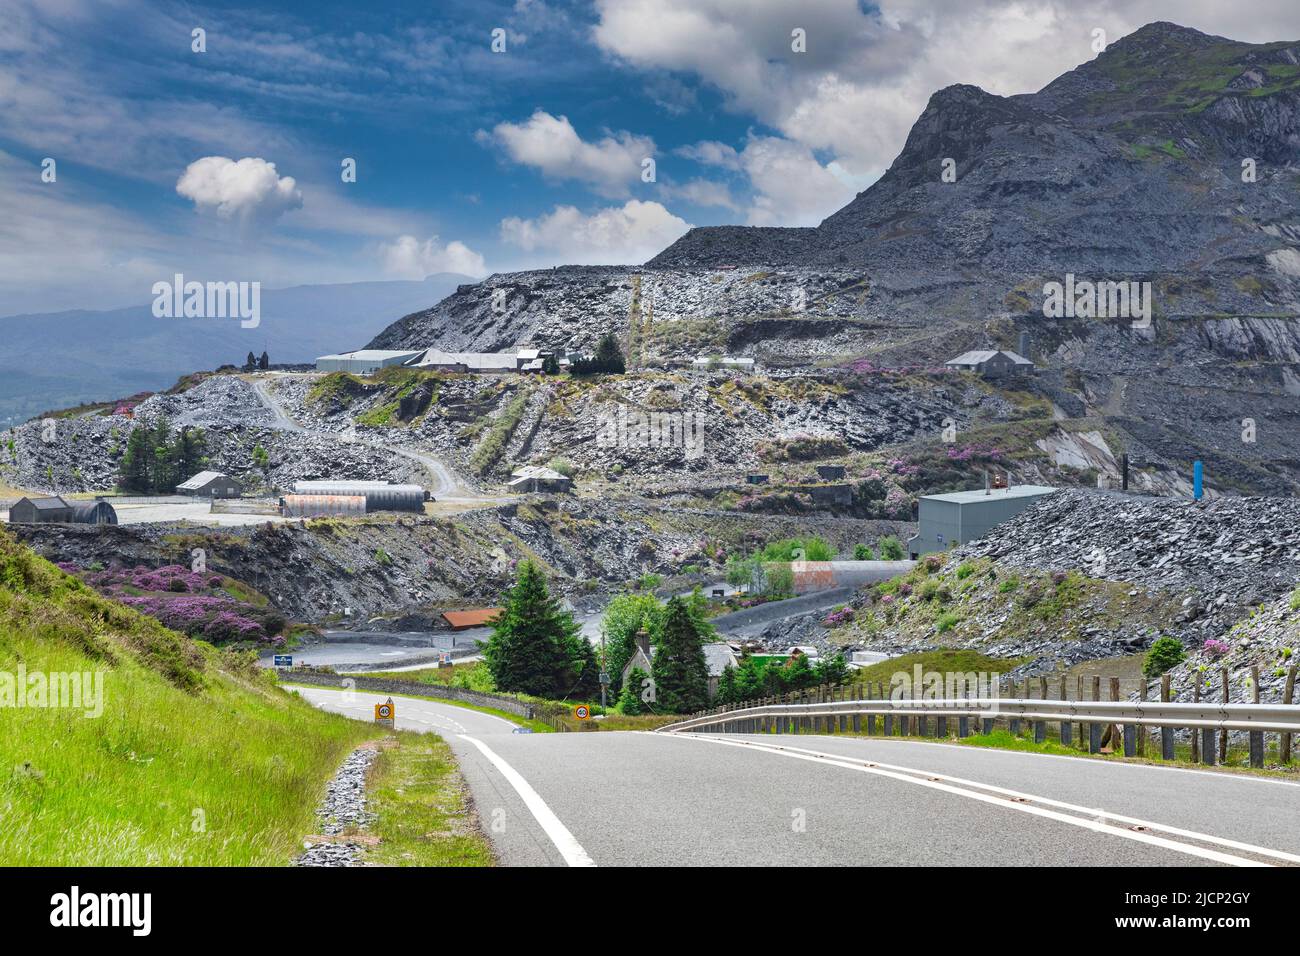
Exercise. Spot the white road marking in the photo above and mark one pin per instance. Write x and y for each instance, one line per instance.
(564, 841)
(877, 769)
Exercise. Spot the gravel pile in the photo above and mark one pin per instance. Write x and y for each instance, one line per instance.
(1225, 556)
(343, 808)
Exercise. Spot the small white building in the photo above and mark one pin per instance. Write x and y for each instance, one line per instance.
(723, 361)
(365, 361)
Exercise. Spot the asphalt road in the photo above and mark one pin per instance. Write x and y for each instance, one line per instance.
(641, 799)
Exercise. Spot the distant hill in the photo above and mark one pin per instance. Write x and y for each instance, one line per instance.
(61, 359)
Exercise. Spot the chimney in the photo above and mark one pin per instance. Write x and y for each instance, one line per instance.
(1023, 348)
(643, 642)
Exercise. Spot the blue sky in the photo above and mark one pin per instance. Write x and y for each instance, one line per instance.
(225, 164)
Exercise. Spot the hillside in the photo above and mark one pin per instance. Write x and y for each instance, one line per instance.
(195, 757)
(1126, 168)
(98, 355)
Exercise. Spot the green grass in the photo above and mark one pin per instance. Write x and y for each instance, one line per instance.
(943, 662)
(1004, 740)
(379, 416)
(423, 815)
(196, 759)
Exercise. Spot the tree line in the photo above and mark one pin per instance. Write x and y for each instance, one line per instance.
(156, 461)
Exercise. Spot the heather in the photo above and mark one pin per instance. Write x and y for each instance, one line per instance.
(197, 603)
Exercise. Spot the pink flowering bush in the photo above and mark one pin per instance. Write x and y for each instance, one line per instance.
(1216, 648)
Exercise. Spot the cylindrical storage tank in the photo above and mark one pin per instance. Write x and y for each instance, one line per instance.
(395, 498)
(319, 506)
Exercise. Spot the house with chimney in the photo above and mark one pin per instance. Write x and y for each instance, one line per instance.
(718, 655)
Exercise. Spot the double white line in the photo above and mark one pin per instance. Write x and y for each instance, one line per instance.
(1099, 821)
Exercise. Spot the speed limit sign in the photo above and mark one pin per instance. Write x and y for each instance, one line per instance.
(582, 712)
(386, 713)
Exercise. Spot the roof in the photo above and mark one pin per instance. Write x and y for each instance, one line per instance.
(976, 356)
(539, 471)
(372, 355)
(472, 360)
(723, 360)
(718, 655)
(202, 478)
(47, 504)
(970, 497)
(475, 618)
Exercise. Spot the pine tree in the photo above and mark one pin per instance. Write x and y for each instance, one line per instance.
(609, 357)
(727, 691)
(681, 674)
(264, 362)
(251, 362)
(529, 651)
(134, 468)
(629, 701)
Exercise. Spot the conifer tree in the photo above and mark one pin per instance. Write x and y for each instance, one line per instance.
(529, 651)
(681, 674)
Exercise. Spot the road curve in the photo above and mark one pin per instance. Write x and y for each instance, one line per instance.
(641, 799)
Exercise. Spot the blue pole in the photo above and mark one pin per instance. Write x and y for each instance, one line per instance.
(1197, 480)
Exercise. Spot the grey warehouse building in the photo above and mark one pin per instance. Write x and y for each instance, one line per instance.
(364, 361)
(962, 516)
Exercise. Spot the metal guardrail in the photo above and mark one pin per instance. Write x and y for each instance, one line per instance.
(1281, 718)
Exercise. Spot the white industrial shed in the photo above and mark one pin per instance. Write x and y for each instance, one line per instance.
(365, 361)
(962, 516)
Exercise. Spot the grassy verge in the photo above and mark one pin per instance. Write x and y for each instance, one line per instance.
(942, 662)
(423, 814)
(196, 758)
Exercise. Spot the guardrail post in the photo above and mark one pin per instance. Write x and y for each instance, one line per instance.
(1288, 693)
(1256, 736)
(1142, 728)
(1207, 746)
(941, 726)
(1166, 733)
(1078, 696)
(844, 718)
(856, 720)
(1067, 733)
(986, 723)
(963, 726)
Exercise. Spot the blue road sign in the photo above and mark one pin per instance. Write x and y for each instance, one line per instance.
(283, 660)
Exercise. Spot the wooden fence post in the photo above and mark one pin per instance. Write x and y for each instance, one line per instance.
(1224, 677)
(1094, 729)
(1288, 695)
(1256, 736)
(1014, 722)
(1196, 736)
(1040, 726)
(1141, 729)
(1166, 733)
(1067, 734)
(1078, 696)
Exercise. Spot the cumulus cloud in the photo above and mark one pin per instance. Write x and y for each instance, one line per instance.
(869, 69)
(244, 190)
(630, 233)
(551, 144)
(791, 188)
(408, 258)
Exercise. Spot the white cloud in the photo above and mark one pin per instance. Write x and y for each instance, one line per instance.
(791, 188)
(631, 233)
(407, 257)
(245, 190)
(701, 192)
(870, 69)
(551, 144)
(711, 153)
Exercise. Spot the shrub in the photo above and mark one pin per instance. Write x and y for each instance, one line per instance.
(928, 590)
(1008, 585)
(1216, 648)
(890, 549)
(965, 571)
(863, 552)
(945, 621)
(1165, 653)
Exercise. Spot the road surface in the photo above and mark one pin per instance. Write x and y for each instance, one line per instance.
(643, 799)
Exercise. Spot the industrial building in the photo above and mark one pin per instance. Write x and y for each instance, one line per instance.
(962, 516)
(365, 361)
(211, 484)
(323, 506)
(55, 509)
(991, 363)
(378, 495)
(539, 478)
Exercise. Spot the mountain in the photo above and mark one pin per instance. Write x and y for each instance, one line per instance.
(1172, 158)
(94, 356)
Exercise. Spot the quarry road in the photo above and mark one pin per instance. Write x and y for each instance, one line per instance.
(643, 799)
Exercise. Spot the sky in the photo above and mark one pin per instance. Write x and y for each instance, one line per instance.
(217, 139)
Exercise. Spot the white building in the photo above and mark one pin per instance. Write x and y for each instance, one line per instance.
(365, 361)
